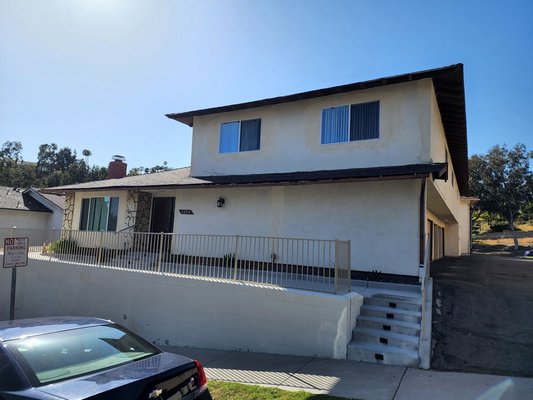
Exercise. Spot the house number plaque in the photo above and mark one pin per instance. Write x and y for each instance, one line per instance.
(186, 212)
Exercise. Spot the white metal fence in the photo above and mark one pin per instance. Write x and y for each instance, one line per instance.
(311, 264)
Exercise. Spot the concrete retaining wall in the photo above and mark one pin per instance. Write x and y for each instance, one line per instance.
(189, 311)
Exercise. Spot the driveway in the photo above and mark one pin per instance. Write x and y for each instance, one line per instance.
(485, 322)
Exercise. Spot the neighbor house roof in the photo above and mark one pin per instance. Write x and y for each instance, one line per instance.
(449, 89)
(180, 178)
(18, 199)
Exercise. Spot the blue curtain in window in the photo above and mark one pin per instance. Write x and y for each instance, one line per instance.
(335, 125)
(364, 121)
(229, 137)
(250, 135)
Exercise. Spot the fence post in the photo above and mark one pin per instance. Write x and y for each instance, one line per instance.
(236, 259)
(99, 256)
(160, 252)
(337, 261)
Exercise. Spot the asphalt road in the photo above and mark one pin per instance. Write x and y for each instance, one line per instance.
(485, 320)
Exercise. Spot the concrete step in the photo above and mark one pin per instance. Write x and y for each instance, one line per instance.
(400, 302)
(388, 325)
(379, 336)
(391, 313)
(382, 354)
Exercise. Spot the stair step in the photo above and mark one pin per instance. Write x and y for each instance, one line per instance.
(389, 325)
(400, 302)
(388, 338)
(382, 354)
(391, 313)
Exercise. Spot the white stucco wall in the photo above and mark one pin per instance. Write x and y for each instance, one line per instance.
(380, 218)
(24, 219)
(189, 312)
(290, 135)
(457, 230)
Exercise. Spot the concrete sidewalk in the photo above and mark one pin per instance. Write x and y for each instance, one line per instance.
(355, 380)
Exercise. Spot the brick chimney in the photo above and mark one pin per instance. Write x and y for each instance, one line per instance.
(117, 167)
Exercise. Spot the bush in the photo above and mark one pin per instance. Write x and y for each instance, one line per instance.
(62, 246)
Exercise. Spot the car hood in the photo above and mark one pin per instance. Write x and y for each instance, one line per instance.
(128, 381)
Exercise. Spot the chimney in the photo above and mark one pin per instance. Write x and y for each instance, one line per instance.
(117, 167)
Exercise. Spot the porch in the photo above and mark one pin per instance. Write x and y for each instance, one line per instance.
(308, 264)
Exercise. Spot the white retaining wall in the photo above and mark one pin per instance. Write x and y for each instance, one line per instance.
(189, 311)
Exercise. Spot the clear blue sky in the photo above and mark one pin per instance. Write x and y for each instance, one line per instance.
(101, 74)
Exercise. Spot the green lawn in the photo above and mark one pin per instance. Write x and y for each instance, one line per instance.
(236, 391)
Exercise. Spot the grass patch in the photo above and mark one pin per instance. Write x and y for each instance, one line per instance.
(236, 391)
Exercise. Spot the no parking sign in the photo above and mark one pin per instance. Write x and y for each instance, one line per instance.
(15, 252)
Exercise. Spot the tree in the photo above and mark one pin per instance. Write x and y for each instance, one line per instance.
(502, 181)
(10, 163)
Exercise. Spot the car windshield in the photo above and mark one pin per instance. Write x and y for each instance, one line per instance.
(57, 356)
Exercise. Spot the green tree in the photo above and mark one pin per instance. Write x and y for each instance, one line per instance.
(502, 181)
(10, 162)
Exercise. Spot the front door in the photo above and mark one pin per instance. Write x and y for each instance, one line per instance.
(162, 221)
(162, 214)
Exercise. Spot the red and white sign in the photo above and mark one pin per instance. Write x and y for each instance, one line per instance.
(16, 252)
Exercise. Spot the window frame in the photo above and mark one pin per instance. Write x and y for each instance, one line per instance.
(239, 138)
(350, 105)
(85, 215)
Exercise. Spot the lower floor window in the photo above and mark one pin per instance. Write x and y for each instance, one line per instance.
(99, 214)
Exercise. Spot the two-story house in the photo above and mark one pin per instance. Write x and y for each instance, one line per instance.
(381, 163)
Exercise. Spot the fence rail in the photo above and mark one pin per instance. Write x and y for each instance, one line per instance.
(311, 264)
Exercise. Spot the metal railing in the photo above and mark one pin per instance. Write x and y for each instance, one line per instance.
(310, 264)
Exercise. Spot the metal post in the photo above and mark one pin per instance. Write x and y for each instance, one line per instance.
(99, 256)
(236, 259)
(13, 286)
(337, 261)
(50, 242)
(160, 252)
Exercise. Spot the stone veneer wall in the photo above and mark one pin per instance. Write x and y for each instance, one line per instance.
(68, 215)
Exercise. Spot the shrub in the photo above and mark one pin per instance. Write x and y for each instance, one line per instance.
(62, 246)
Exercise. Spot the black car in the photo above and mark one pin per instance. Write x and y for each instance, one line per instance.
(91, 358)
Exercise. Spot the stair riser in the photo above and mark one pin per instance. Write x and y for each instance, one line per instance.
(389, 303)
(396, 316)
(389, 359)
(393, 328)
(393, 342)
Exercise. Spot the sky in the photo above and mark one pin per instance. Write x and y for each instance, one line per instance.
(102, 74)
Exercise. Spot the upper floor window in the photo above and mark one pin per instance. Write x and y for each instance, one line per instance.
(350, 122)
(238, 136)
(99, 214)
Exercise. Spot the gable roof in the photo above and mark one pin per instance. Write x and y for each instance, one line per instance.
(180, 178)
(448, 83)
(18, 199)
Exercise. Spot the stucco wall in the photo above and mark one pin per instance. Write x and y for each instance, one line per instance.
(380, 218)
(189, 312)
(24, 219)
(458, 227)
(290, 135)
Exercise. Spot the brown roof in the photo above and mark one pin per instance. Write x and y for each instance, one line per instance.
(180, 178)
(449, 88)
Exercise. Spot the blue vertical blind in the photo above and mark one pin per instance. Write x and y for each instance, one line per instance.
(99, 214)
(229, 137)
(335, 125)
(240, 136)
(348, 123)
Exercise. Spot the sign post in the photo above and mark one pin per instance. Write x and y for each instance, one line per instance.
(15, 255)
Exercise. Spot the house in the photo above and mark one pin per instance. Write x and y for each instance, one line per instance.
(30, 209)
(381, 163)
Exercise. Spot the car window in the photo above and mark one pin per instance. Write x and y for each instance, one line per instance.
(63, 355)
(9, 379)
